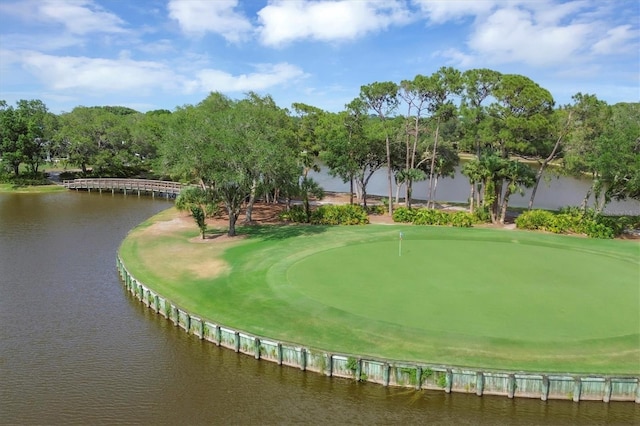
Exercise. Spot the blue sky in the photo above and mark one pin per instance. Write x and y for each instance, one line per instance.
(151, 54)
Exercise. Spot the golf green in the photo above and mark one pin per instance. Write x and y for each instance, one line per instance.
(469, 297)
(511, 289)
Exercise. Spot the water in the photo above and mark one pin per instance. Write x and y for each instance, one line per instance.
(554, 192)
(75, 348)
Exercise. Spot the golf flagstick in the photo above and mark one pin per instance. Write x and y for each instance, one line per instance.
(400, 245)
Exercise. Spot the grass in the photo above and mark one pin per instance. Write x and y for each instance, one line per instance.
(469, 297)
(20, 189)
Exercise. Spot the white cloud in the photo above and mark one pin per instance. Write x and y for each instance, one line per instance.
(287, 21)
(455, 57)
(198, 17)
(514, 35)
(266, 76)
(441, 11)
(77, 16)
(619, 39)
(99, 76)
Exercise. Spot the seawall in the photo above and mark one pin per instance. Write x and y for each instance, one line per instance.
(386, 372)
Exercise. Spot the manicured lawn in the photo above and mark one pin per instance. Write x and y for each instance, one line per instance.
(470, 297)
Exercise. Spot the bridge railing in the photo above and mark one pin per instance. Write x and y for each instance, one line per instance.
(116, 184)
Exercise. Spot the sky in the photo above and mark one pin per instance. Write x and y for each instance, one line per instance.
(163, 54)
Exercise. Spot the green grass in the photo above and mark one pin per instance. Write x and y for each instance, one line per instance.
(9, 187)
(469, 297)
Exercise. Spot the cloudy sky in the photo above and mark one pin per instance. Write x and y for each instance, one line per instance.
(151, 54)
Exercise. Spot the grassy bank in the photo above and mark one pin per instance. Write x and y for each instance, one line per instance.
(472, 297)
(24, 189)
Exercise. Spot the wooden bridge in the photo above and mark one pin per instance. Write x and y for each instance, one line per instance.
(140, 186)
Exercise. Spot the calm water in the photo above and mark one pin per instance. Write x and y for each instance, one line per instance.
(553, 192)
(75, 348)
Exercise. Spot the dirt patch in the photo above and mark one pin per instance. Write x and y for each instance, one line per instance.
(211, 268)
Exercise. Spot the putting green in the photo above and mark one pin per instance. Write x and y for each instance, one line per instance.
(509, 289)
(469, 297)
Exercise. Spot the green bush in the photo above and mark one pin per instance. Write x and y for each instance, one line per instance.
(294, 214)
(571, 220)
(404, 215)
(462, 219)
(377, 209)
(535, 219)
(346, 214)
(433, 217)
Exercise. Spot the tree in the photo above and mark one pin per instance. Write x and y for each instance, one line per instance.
(24, 132)
(228, 147)
(351, 149)
(517, 124)
(100, 137)
(382, 98)
(198, 216)
(440, 87)
(618, 162)
(583, 151)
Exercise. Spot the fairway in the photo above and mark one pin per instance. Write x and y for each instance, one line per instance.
(466, 297)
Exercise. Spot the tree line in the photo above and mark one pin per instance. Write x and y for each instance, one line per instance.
(238, 150)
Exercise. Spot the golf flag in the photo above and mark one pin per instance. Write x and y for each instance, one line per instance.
(400, 246)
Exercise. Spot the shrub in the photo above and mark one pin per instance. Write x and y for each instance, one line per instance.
(482, 215)
(404, 215)
(431, 217)
(535, 219)
(571, 220)
(377, 209)
(462, 219)
(346, 214)
(294, 214)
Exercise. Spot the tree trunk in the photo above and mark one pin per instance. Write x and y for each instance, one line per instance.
(252, 199)
(471, 197)
(389, 176)
(233, 218)
(351, 190)
(435, 188)
(433, 164)
(505, 202)
(546, 161)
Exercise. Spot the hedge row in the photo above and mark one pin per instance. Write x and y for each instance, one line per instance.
(433, 217)
(329, 214)
(572, 220)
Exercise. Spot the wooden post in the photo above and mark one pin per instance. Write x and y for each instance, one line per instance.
(358, 369)
(329, 371)
(218, 335)
(237, 342)
(279, 350)
(479, 383)
(201, 329)
(511, 385)
(385, 374)
(545, 388)
(303, 359)
(256, 342)
(577, 389)
(418, 383)
(607, 390)
(449, 381)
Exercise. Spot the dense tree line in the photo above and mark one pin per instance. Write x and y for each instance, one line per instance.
(239, 150)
